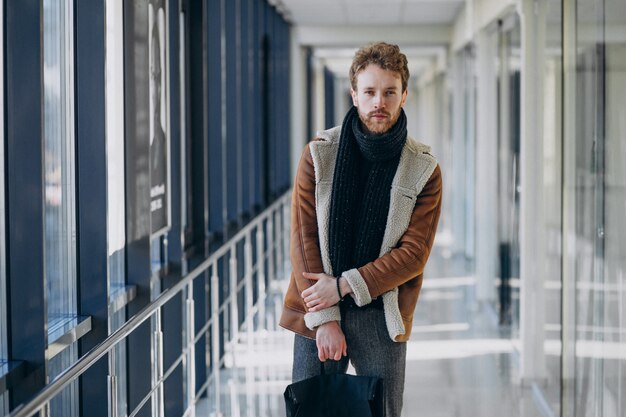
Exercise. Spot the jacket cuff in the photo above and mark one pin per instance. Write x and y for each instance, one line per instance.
(360, 292)
(317, 318)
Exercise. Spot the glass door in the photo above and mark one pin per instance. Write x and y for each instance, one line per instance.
(595, 191)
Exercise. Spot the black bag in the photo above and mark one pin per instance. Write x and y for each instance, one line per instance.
(335, 395)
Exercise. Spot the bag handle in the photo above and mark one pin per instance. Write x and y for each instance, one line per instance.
(322, 368)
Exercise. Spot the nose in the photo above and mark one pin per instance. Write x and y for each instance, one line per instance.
(379, 101)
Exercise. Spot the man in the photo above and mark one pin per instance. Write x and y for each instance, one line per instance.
(365, 207)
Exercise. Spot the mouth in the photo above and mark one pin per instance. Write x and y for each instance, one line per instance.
(379, 116)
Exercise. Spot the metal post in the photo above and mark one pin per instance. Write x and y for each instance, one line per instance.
(247, 248)
(215, 350)
(271, 250)
(234, 304)
(261, 300)
(249, 323)
(287, 229)
(260, 250)
(158, 406)
(279, 245)
(191, 352)
(112, 384)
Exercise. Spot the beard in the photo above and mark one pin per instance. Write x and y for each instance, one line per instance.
(374, 125)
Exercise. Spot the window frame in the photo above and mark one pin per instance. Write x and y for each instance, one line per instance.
(4, 351)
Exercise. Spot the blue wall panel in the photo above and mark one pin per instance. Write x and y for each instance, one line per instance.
(91, 180)
(214, 118)
(231, 178)
(24, 193)
(246, 106)
(197, 115)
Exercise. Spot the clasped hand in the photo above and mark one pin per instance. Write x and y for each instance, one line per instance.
(322, 294)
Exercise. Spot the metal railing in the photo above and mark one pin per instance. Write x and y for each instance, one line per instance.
(271, 234)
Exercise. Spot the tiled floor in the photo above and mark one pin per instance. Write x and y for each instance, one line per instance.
(459, 362)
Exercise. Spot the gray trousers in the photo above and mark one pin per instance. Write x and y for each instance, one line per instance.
(370, 350)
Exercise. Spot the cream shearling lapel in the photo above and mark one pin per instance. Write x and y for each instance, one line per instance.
(324, 155)
(414, 170)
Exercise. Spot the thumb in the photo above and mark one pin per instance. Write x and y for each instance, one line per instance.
(310, 275)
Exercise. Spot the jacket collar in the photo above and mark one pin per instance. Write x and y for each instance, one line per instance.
(324, 153)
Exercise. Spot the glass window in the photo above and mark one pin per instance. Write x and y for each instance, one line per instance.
(463, 99)
(60, 207)
(552, 202)
(116, 201)
(60, 216)
(595, 190)
(508, 170)
(116, 206)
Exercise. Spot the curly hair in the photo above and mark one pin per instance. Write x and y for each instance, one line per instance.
(386, 56)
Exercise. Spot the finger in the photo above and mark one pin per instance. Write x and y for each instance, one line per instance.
(309, 298)
(310, 275)
(320, 351)
(337, 355)
(345, 349)
(324, 354)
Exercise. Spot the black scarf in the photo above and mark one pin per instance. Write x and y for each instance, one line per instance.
(360, 199)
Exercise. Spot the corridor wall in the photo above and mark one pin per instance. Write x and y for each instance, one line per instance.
(207, 80)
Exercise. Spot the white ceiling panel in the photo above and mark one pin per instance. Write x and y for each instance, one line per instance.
(430, 12)
(309, 12)
(358, 3)
(368, 12)
(375, 14)
(343, 24)
(313, 9)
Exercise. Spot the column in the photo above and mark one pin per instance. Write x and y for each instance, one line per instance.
(532, 294)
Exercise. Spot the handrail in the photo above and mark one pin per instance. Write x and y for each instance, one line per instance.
(90, 358)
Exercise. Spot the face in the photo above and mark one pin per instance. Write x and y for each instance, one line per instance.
(379, 98)
(155, 71)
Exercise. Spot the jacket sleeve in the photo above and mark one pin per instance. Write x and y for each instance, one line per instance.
(305, 250)
(408, 259)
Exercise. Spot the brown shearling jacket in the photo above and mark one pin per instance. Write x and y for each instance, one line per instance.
(397, 274)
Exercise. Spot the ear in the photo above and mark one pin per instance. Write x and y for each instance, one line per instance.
(355, 102)
(404, 95)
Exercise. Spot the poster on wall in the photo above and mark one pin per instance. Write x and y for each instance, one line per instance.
(159, 140)
(146, 121)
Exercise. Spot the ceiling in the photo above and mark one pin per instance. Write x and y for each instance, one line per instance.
(371, 12)
(336, 28)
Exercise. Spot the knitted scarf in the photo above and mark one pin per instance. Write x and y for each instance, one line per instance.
(360, 199)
